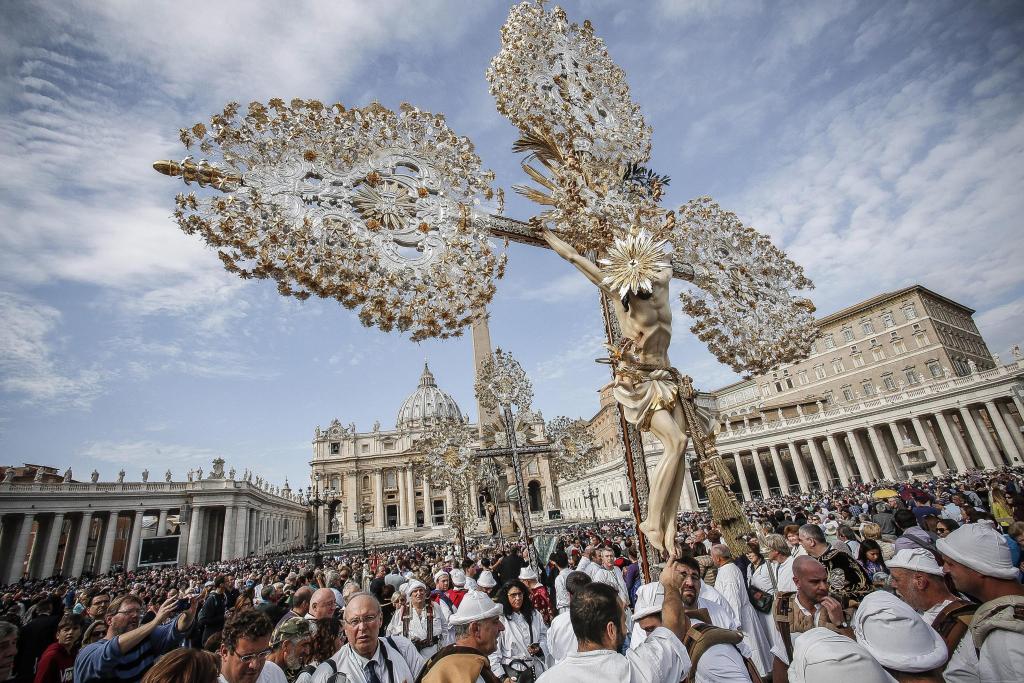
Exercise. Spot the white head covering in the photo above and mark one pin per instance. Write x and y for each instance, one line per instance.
(527, 574)
(821, 654)
(409, 586)
(649, 602)
(439, 574)
(475, 606)
(915, 560)
(981, 548)
(896, 635)
(458, 577)
(486, 579)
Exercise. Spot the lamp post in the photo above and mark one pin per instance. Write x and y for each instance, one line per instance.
(591, 496)
(361, 517)
(315, 501)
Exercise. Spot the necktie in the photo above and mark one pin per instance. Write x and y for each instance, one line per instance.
(371, 673)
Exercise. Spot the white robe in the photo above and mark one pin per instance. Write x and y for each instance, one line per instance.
(562, 640)
(418, 628)
(733, 587)
(561, 592)
(661, 658)
(514, 641)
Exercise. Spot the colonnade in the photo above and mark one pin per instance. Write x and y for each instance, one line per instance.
(984, 435)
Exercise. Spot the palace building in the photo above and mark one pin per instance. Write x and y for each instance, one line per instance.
(901, 383)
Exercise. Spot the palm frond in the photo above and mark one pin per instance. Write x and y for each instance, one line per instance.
(533, 195)
(540, 146)
(538, 176)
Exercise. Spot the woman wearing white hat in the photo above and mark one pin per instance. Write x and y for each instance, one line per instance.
(420, 620)
(523, 645)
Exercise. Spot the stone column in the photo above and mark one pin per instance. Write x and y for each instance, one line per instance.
(195, 534)
(741, 475)
(20, 548)
(1011, 425)
(1009, 445)
(242, 533)
(227, 546)
(403, 498)
(951, 444)
(820, 468)
(798, 463)
(924, 439)
(132, 561)
(881, 455)
(184, 534)
(780, 469)
(410, 488)
(979, 444)
(52, 545)
(858, 456)
(109, 533)
(81, 544)
(161, 523)
(428, 506)
(762, 480)
(378, 502)
(839, 458)
(986, 435)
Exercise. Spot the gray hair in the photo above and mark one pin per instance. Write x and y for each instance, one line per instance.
(333, 577)
(814, 532)
(778, 543)
(462, 630)
(8, 629)
(721, 550)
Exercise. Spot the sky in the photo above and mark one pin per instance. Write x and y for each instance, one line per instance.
(880, 144)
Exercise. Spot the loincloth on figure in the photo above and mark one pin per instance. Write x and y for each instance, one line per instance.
(643, 389)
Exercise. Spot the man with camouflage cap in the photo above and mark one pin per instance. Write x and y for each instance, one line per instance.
(292, 645)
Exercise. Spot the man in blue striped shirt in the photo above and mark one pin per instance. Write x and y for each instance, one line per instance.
(128, 650)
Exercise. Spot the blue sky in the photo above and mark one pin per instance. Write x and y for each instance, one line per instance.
(879, 143)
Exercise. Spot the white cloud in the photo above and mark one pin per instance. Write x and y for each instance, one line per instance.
(146, 452)
(30, 367)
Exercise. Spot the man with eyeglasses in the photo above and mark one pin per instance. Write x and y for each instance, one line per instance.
(368, 658)
(129, 649)
(245, 648)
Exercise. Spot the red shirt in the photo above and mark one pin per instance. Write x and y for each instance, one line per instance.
(456, 595)
(56, 665)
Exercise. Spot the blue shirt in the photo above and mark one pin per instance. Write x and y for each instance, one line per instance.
(104, 661)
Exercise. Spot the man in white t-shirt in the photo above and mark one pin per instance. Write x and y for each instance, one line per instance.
(599, 622)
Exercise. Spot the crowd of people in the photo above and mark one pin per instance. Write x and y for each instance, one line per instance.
(871, 582)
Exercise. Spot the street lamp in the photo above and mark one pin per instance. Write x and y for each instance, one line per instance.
(315, 501)
(361, 517)
(591, 496)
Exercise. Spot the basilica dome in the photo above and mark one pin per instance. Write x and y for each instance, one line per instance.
(427, 405)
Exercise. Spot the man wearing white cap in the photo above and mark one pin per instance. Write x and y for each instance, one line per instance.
(485, 583)
(918, 579)
(538, 593)
(824, 655)
(898, 638)
(725, 661)
(561, 638)
(477, 627)
(598, 619)
(978, 559)
(420, 620)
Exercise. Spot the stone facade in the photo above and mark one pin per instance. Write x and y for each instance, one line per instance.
(373, 473)
(891, 375)
(73, 528)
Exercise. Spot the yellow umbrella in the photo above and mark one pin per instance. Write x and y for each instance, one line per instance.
(882, 494)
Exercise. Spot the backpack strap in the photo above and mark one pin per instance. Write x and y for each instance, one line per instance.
(952, 624)
(781, 609)
(699, 613)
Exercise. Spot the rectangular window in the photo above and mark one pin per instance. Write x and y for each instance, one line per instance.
(899, 347)
(867, 327)
(830, 342)
(335, 448)
(867, 388)
(847, 394)
(837, 365)
(366, 448)
(889, 382)
(888, 320)
(912, 377)
(922, 340)
(848, 334)
(934, 369)
(858, 360)
(819, 371)
(877, 353)
(910, 311)
(803, 377)
(830, 398)
(778, 387)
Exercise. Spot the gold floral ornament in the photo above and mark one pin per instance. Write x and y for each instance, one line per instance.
(633, 261)
(502, 382)
(575, 450)
(376, 209)
(748, 309)
(449, 462)
(556, 82)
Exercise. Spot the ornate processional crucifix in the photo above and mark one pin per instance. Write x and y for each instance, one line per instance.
(390, 213)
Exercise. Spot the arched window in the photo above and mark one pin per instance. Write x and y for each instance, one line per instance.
(366, 482)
